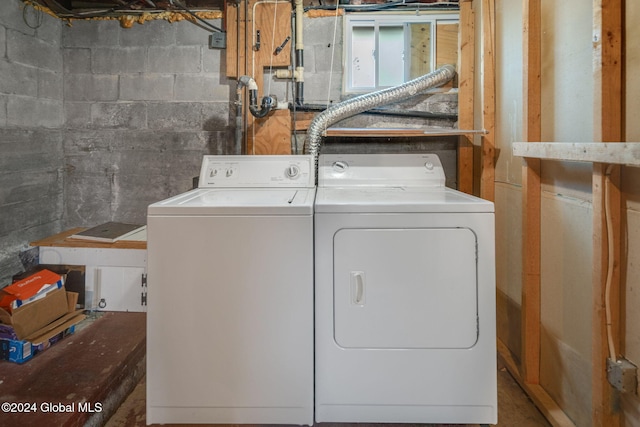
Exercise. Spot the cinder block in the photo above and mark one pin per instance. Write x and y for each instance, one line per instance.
(217, 115)
(190, 34)
(89, 87)
(30, 150)
(3, 110)
(175, 115)
(18, 79)
(11, 16)
(80, 142)
(214, 61)
(50, 85)
(3, 42)
(151, 33)
(174, 59)
(316, 88)
(76, 61)
(77, 115)
(221, 143)
(309, 58)
(202, 88)
(320, 31)
(88, 195)
(322, 55)
(146, 87)
(33, 112)
(50, 30)
(91, 34)
(29, 50)
(128, 115)
(118, 60)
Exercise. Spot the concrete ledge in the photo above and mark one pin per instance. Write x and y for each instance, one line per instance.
(96, 368)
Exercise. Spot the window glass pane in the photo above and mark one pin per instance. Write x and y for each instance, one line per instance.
(420, 42)
(363, 65)
(391, 54)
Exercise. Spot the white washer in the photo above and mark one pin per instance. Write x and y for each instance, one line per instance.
(405, 294)
(230, 295)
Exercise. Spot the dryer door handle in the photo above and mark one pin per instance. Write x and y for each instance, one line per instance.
(357, 288)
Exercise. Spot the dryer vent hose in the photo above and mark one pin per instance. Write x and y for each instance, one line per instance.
(365, 102)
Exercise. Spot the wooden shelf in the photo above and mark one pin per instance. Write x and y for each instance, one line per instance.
(397, 132)
(622, 153)
(63, 240)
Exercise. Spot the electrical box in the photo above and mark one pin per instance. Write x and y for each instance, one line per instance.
(622, 375)
(218, 41)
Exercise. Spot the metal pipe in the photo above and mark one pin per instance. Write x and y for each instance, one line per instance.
(365, 102)
(299, 70)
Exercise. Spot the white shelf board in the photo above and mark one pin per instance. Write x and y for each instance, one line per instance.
(621, 153)
(398, 132)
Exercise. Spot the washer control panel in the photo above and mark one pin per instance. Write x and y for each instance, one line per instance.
(401, 170)
(257, 171)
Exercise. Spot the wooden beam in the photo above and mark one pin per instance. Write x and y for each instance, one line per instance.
(487, 172)
(621, 153)
(466, 76)
(545, 403)
(531, 195)
(608, 127)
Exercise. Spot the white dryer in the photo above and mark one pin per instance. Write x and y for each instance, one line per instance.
(405, 294)
(230, 295)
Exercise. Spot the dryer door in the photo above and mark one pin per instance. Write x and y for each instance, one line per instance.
(405, 288)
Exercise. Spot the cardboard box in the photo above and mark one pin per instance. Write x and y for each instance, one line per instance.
(31, 317)
(29, 287)
(19, 346)
(21, 351)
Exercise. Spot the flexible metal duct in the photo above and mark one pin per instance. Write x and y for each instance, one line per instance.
(365, 102)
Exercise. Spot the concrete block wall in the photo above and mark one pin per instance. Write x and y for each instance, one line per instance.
(142, 106)
(31, 135)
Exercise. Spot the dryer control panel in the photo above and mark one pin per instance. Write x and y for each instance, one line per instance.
(257, 171)
(387, 170)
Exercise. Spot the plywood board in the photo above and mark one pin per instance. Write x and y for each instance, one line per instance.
(272, 135)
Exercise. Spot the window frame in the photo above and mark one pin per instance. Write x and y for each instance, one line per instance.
(378, 19)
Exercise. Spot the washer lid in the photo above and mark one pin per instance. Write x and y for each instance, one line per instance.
(238, 201)
(397, 200)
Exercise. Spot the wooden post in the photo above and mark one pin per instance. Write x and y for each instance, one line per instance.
(466, 76)
(531, 195)
(608, 124)
(487, 173)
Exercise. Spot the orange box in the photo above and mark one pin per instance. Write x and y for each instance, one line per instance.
(28, 287)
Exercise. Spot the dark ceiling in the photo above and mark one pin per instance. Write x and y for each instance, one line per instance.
(87, 8)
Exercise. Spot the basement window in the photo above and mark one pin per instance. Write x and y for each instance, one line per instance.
(385, 50)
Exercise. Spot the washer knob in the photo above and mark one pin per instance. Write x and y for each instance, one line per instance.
(340, 166)
(429, 166)
(292, 172)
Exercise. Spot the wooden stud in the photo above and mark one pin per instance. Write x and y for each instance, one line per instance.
(608, 125)
(487, 171)
(531, 195)
(549, 408)
(466, 73)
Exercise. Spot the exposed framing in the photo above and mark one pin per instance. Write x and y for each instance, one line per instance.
(488, 150)
(466, 78)
(608, 127)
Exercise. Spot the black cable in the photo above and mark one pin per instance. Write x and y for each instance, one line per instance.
(213, 27)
